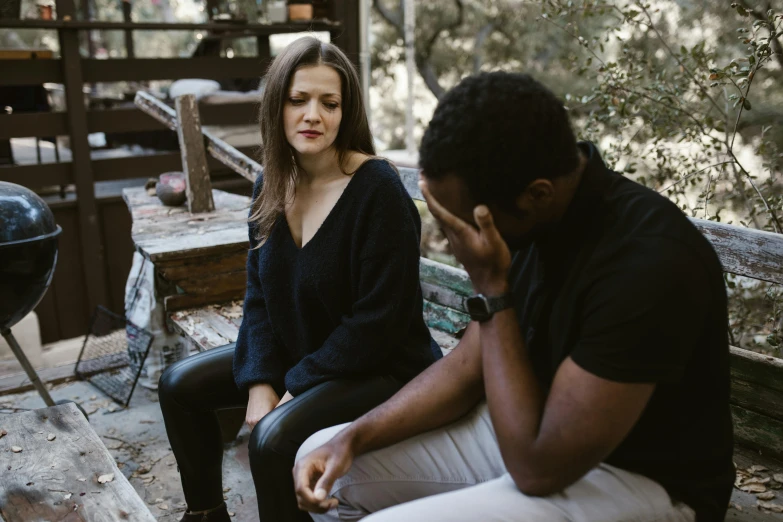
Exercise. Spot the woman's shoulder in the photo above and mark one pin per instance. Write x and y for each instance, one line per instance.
(379, 173)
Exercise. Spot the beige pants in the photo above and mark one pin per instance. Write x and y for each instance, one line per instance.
(456, 474)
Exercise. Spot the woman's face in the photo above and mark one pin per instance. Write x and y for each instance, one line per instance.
(313, 110)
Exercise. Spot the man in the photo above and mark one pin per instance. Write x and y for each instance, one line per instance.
(593, 383)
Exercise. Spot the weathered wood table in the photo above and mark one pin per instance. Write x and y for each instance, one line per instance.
(199, 258)
(54, 467)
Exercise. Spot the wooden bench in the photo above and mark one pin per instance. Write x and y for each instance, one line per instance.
(757, 380)
(53, 466)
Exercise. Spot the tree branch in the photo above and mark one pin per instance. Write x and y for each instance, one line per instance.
(423, 65)
(776, 46)
(392, 18)
(478, 46)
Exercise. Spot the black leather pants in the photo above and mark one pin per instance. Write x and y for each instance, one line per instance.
(192, 390)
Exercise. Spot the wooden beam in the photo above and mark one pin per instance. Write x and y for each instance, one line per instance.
(89, 225)
(38, 176)
(252, 29)
(144, 69)
(30, 124)
(30, 72)
(194, 155)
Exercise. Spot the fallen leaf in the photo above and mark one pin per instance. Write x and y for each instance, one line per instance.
(3, 433)
(778, 477)
(770, 506)
(767, 495)
(103, 479)
(93, 397)
(157, 501)
(68, 496)
(225, 497)
(756, 480)
(163, 506)
(756, 468)
(226, 490)
(146, 421)
(754, 488)
(16, 449)
(82, 480)
(737, 507)
(232, 514)
(51, 437)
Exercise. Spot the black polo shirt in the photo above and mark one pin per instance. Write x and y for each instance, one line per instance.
(628, 288)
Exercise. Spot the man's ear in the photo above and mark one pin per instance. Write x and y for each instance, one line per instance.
(540, 193)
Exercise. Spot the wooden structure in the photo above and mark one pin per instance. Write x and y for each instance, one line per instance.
(54, 467)
(95, 254)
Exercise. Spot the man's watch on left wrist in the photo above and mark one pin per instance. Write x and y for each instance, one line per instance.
(481, 308)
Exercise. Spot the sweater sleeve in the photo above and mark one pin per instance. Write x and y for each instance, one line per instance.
(257, 357)
(386, 287)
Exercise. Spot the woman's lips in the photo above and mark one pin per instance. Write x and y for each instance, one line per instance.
(310, 134)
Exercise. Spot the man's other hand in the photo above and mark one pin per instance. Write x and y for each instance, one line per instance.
(315, 474)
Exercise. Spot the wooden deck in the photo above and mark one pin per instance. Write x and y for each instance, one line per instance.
(54, 467)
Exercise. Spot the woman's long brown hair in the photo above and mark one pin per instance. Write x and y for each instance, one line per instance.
(280, 170)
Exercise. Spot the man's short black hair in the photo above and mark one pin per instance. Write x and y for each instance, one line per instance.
(499, 131)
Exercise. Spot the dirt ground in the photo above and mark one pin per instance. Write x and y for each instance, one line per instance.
(136, 438)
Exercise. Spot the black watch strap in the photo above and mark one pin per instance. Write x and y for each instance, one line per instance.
(481, 308)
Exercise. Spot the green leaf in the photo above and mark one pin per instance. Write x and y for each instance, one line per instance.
(746, 104)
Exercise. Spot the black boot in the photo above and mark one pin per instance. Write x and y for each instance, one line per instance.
(219, 514)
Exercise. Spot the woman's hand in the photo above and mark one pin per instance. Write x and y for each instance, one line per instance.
(261, 400)
(287, 397)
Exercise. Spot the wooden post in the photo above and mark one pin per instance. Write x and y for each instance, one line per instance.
(92, 256)
(194, 155)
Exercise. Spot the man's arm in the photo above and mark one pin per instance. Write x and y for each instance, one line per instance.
(441, 394)
(548, 443)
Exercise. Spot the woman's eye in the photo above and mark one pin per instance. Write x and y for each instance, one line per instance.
(331, 106)
(296, 101)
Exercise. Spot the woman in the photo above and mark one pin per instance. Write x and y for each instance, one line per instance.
(332, 320)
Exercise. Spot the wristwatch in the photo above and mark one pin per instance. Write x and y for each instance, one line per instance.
(481, 308)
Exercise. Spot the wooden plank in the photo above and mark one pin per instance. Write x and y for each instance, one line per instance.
(18, 382)
(757, 398)
(444, 319)
(251, 29)
(448, 277)
(215, 284)
(151, 165)
(175, 303)
(26, 54)
(23, 125)
(190, 268)
(30, 72)
(43, 482)
(746, 251)
(37, 176)
(93, 262)
(143, 69)
(758, 431)
(131, 119)
(762, 370)
(194, 155)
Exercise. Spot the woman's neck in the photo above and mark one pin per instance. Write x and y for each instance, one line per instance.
(318, 167)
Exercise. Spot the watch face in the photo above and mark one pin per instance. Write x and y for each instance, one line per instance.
(478, 308)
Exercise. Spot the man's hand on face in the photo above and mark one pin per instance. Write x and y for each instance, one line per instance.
(483, 252)
(315, 474)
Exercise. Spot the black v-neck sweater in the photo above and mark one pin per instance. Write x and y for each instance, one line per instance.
(348, 304)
